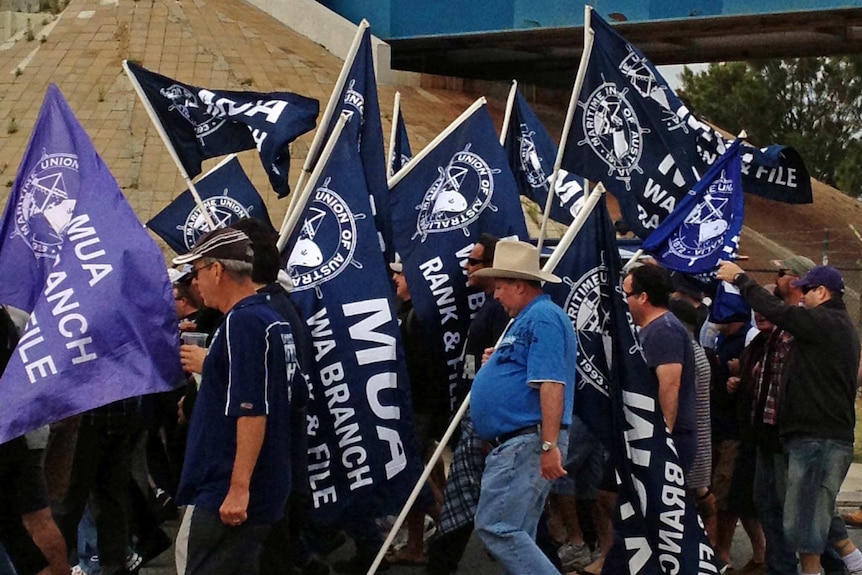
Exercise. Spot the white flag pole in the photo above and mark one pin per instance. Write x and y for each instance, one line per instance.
(574, 228)
(328, 112)
(408, 167)
(429, 467)
(589, 36)
(164, 135)
(296, 213)
(393, 133)
(507, 117)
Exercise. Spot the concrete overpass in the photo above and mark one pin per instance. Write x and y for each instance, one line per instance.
(540, 42)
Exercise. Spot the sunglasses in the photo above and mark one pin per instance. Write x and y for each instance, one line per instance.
(782, 273)
(194, 273)
(475, 262)
(807, 289)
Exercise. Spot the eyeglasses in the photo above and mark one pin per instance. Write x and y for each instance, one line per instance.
(630, 294)
(807, 289)
(782, 273)
(194, 273)
(475, 262)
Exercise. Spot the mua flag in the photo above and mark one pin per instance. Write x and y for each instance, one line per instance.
(705, 226)
(400, 153)
(532, 153)
(657, 528)
(202, 123)
(102, 321)
(359, 101)
(227, 194)
(459, 190)
(631, 132)
(362, 460)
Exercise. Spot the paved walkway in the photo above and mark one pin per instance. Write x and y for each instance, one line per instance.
(851, 490)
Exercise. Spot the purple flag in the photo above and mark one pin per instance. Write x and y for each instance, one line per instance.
(102, 324)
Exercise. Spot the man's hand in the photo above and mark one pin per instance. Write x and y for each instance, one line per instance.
(732, 384)
(192, 358)
(727, 271)
(552, 464)
(487, 355)
(234, 508)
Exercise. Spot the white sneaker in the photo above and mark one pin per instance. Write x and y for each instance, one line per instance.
(78, 570)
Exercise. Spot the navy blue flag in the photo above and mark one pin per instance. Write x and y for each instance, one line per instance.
(532, 154)
(228, 196)
(359, 101)
(400, 153)
(461, 189)
(102, 321)
(728, 304)
(657, 528)
(202, 123)
(362, 460)
(705, 226)
(632, 133)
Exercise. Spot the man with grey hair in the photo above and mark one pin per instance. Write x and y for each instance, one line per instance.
(237, 466)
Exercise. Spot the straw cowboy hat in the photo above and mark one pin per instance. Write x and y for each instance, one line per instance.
(517, 260)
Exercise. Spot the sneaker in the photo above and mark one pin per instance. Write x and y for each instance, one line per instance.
(134, 561)
(78, 570)
(574, 556)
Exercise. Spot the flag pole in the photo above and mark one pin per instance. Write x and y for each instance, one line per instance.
(408, 167)
(633, 260)
(161, 130)
(290, 222)
(426, 473)
(589, 36)
(331, 106)
(575, 227)
(393, 133)
(510, 103)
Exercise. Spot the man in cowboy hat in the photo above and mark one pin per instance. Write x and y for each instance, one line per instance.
(522, 404)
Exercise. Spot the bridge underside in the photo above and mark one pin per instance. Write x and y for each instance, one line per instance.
(550, 56)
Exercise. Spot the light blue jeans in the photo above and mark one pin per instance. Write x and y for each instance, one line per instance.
(815, 470)
(770, 486)
(512, 498)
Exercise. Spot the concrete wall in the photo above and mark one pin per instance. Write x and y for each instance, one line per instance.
(334, 32)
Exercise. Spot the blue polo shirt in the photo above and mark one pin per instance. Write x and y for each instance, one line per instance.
(539, 346)
(248, 371)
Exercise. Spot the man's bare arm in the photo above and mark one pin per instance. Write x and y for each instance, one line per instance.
(669, 377)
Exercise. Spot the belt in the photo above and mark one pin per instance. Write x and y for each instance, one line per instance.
(535, 428)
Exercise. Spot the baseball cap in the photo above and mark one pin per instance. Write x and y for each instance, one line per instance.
(821, 276)
(220, 244)
(799, 265)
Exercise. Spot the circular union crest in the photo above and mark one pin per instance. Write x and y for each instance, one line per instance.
(612, 129)
(326, 241)
(224, 210)
(703, 230)
(186, 104)
(584, 306)
(457, 197)
(44, 207)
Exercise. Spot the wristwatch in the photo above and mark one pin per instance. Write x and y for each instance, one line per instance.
(548, 445)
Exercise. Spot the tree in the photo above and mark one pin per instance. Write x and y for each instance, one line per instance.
(812, 104)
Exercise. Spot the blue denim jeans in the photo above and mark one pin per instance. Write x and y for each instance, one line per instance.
(815, 470)
(511, 502)
(770, 484)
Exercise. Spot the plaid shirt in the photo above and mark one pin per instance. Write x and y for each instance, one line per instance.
(769, 379)
(461, 495)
